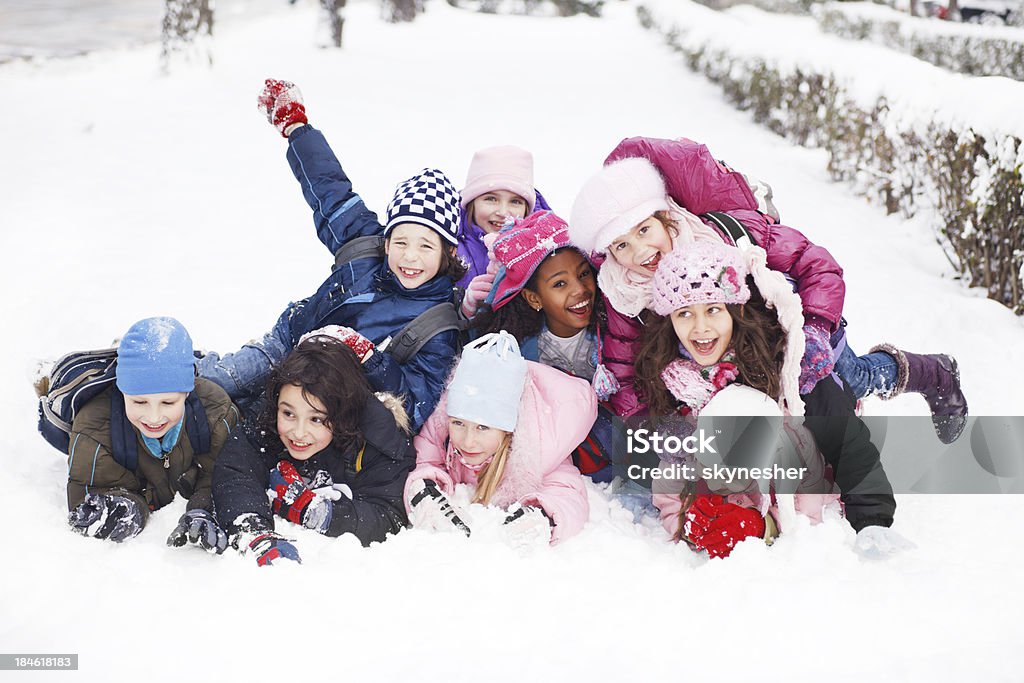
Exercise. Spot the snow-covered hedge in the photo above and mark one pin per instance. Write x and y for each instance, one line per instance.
(967, 48)
(918, 140)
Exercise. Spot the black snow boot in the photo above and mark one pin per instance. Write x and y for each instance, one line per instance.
(937, 378)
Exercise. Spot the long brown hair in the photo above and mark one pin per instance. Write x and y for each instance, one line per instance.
(757, 339)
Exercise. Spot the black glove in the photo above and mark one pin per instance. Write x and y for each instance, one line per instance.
(199, 528)
(106, 516)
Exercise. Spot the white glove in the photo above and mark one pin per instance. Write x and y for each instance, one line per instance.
(879, 542)
(431, 509)
(526, 528)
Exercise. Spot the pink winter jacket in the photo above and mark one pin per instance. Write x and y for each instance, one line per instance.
(556, 413)
(699, 183)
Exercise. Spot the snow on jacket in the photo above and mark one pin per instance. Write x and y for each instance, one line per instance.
(472, 249)
(373, 471)
(364, 294)
(699, 184)
(555, 414)
(154, 483)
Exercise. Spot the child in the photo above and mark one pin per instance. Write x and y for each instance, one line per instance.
(157, 412)
(506, 426)
(629, 212)
(499, 186)
(718, 330)
(333, 455)
(374, 294)
(545, 295)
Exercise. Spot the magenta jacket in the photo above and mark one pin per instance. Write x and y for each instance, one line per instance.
(699, 183)
(556, 413)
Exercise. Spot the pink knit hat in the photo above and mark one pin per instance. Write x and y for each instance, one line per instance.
(500, 168)
(622, 195)
(700, 273)
(520, 250)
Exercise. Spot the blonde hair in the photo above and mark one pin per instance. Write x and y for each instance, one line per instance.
(490, 476)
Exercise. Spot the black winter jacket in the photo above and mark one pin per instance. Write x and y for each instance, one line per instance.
(375, 471)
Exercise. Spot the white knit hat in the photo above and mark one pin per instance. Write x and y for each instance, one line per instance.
(613, 201)
(488, 382)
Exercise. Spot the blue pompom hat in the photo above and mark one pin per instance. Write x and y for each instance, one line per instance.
(155, 357)
(488, 382)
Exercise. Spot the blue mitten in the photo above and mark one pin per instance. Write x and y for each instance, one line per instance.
(817, 361)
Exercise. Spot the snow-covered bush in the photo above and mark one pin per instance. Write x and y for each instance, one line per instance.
(971, 186)
(560, 8)
(967, 48)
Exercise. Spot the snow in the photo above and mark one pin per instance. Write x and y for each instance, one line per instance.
(128, 195)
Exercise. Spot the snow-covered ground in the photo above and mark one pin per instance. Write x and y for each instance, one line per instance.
(126, 194)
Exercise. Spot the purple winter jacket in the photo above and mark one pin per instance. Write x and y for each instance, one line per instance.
(472, 249)
(699, 183)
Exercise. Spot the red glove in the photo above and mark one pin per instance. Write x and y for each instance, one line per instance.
(281, 103)
(716, 526)
(347, 336)
(478, 289)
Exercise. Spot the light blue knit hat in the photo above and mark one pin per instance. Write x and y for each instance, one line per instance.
(155, 357)
(488, 382)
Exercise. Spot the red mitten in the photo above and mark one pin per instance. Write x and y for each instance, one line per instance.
(281, 103)
(716, 526)
(347, 336)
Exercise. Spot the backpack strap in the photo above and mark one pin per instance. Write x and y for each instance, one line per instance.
(421, 329)
(197, 425)
(736, 231)
(367, 246)
(123, 444)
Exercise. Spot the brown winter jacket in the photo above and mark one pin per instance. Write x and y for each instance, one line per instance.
(92, 468)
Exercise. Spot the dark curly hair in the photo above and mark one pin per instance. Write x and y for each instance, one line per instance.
(520, 320)
(329, 370)
(757, 337)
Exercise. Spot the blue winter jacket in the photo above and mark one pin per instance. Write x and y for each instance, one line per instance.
(364, 294)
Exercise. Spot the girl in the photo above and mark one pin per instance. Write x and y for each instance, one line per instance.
(332, 454)
(156, 433)
(729, 319)
(628, 212)
(545, 295)
(375, 293)
(507, 427)
(499, 186)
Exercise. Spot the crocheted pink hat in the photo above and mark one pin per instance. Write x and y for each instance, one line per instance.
(520, 250)
(700, 273)
(500, 168)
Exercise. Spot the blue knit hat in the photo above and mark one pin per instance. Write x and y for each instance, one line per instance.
(488, 382)
(155, 357)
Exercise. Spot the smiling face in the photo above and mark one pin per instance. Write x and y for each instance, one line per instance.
(640, 250)
(476, 442)
(490, 209)
(564, 288)
(302, 423)
(414, 254)
(155, 414)
(705, 331)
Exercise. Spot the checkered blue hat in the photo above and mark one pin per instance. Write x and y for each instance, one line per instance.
(430, 199)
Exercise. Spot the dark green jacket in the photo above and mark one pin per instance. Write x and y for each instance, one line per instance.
(153, 484)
